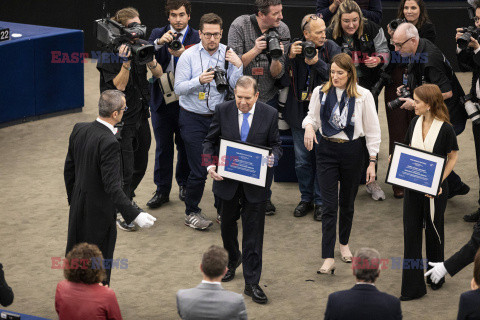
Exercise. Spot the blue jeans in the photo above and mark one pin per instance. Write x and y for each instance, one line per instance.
(305, 168)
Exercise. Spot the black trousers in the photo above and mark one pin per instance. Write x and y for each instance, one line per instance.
(135, 143)
(416, 215)
(253, 224)
(338, 162)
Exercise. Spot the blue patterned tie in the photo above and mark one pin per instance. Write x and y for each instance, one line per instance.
(245, 127)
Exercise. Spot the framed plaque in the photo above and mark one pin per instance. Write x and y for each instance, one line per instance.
(415, 169)
(243, 161)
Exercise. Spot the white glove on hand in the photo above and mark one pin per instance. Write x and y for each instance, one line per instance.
(145, 220)
(437, 272)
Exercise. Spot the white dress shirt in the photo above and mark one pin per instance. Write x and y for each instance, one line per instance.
(250, 118)
(108, 125)
(212, 282)
(158, 46)
(364, 116)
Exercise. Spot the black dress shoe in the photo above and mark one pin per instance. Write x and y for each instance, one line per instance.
(270, 208)
(317, 214)
(462, 190)
(473, 217)
(257, 294)
(302, 209)
(405, 298)
(157, 200)
(231, 270)
(181, 193)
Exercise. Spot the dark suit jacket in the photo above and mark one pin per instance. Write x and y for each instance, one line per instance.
(6, 293)
(263, 132)
(94, 184)
(210, 301)
(363, 301)
(163, 57)
(469, 306)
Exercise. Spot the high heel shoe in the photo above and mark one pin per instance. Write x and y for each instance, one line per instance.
(347, 259)
(331, 270)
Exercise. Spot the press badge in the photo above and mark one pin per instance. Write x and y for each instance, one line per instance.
(202, 95)
(304, 95)
(258, 71)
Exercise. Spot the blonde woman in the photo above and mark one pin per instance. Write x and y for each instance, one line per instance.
(343, 112)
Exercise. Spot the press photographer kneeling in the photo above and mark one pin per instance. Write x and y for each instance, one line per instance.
(468, 57)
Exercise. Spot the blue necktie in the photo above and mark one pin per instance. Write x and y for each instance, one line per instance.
(245, 127)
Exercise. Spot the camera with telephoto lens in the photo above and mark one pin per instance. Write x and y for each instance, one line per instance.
(219, 76)
(472, 108)
(464, 40)
(404, 93)
(309, 49)
(112, 35)
(273, 44)
(395, 23)
(385, 79)
(175, 44)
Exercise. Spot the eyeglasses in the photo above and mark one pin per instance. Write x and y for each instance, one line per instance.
(215, 35)
(400, 45)
(312, 17)
(476, 19)
(124, 109)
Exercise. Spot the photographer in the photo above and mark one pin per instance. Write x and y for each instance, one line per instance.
(202, 82)
(429, 65)
(469, 60)
(307, 66)
(170, 42)
(247, 37)
(131, 78)
(398, 120)
(365, 42)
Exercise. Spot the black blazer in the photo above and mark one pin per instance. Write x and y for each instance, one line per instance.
(469, 306)
(263, 132)
(363, 301)
(94, 184)
(465, 255)
(163, 58)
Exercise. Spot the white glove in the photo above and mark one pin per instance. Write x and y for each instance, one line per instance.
(437, 272)
(145, 220)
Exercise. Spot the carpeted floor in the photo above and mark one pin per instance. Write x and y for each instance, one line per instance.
(165, 258)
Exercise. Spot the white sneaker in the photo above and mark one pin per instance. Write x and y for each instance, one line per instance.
(375, 190)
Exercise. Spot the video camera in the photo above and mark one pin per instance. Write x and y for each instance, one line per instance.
(112, 35)
(468, 32)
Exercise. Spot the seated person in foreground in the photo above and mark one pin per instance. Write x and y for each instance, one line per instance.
(469, 306)
(364, 300)
(82, 295)
(209, 300)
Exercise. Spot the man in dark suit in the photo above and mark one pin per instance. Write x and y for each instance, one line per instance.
(364, 300)
(470, 300)
(94, 182)
(251, 121)
(209, 300)
(165, 113)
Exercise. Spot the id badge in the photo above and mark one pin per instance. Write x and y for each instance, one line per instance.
(258, 71)
(304, 95)
(202, 95)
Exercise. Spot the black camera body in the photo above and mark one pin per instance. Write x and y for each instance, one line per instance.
(220, 77)
(385, 79)
(468, 32)
(346, 49)
(395, 23)
(273, 44)
(175, 44)
(309, 49)
(397, 103)
(112, 35)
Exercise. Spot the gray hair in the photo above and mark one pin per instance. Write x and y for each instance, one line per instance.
(365, 264)
(110, 101)
(409, 29)
(308, 18)
(247, 82)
